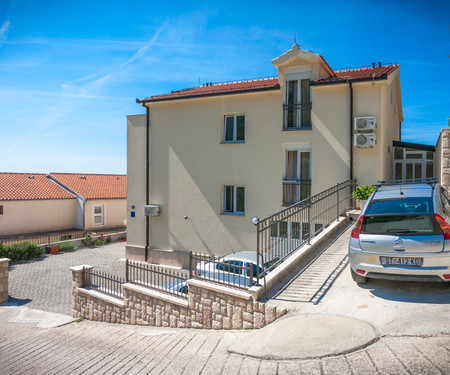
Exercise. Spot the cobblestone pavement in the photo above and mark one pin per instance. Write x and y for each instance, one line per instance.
(45, 283)
(99, 348)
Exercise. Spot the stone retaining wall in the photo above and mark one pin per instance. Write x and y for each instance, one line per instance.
(208, 306)
(4, 263)
(442, 159)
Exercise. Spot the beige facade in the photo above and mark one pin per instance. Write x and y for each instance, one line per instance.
(104, 213)
(34, 216)
(191, 165)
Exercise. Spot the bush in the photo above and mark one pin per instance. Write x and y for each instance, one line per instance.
(108, 239)
(21, 251)
(89, 239)
(363, 192)
(66, 246)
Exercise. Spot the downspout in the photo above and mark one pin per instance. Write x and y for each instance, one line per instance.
(83, 211)
(147, 182)
(351, 128)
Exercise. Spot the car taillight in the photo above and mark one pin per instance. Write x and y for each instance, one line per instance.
(357, 230)
(445, 227)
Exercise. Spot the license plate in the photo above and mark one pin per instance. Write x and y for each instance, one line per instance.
(396, 261)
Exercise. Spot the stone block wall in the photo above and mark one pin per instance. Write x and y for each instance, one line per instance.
(209, 306)
(442, 156)
(4, 263)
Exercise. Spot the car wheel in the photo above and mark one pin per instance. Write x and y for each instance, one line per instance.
(357, 278)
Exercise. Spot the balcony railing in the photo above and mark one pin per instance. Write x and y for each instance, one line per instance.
(297, 116)
(295, 191)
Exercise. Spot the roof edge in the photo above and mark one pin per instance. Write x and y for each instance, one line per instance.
(163, 99)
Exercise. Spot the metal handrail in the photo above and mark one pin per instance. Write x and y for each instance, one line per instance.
(280, 234)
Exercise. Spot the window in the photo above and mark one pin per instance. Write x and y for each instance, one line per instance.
(233, 199)
(297, 175)
(297, 110)
(1, 210)
(234, 128)
(98, 215)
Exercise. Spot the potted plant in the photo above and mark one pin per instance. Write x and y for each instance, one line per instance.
(361, 194)
(52, 248)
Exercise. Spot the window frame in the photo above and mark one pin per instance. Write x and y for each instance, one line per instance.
(234, 203)
(235, 127)
(102, 215)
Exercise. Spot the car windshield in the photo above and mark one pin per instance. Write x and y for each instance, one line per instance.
(415, 205)
(400, 225)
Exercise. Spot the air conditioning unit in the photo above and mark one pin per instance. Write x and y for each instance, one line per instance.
(152, 210)
(365, 123)
(365, 140)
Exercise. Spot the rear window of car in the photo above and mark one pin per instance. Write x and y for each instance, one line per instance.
(404, 225)
(417, 205)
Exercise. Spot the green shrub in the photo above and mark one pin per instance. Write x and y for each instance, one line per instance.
(363, 192)
(21, 251)
(66, 246)
(89, 239)
(108, 239)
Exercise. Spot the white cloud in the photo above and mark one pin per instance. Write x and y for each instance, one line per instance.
(4, 30)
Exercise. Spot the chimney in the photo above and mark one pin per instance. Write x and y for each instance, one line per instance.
(379, 64)
(373, 65)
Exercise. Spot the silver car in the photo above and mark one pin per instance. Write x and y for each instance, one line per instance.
(403, 233)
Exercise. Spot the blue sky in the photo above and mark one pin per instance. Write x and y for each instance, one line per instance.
(70, 71)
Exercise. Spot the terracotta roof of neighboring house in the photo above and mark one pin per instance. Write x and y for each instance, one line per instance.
(360, 73)
(30, 186)
(94, 186)
(218, 89)
(269, 84)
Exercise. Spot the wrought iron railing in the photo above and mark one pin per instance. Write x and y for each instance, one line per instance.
(295, 190)
(297, 116)
(230, 272)
(102, 282)
(163, 279)
(280, 234)
(53, 237)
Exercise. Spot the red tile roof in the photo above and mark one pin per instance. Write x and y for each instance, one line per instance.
(268, 84)
(30, 186)
(94, 186)
(218, 89)
(360, 73)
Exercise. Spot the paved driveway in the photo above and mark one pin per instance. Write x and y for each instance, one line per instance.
(46, 283)
(392, 307)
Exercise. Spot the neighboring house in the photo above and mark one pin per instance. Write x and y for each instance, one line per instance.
(32, 203)
(101, 198)
(215, 156)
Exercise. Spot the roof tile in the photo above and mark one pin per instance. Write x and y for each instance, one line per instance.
(94, 186)
(218, 89)
(30, 186)
(267, 84)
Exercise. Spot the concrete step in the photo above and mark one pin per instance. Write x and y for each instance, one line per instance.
(353, 214)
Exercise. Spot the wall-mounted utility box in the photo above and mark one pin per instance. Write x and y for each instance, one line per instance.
(152, 210)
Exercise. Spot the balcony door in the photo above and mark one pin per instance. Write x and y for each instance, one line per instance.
(298, 104)
(297, 181)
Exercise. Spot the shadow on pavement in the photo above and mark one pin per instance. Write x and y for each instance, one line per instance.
(16, 301)
(409, 291)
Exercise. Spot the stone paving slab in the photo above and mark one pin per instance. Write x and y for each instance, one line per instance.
(99, 348)
(46, 283)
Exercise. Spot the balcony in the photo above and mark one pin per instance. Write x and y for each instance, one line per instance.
(295, 190)
(297, 116)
